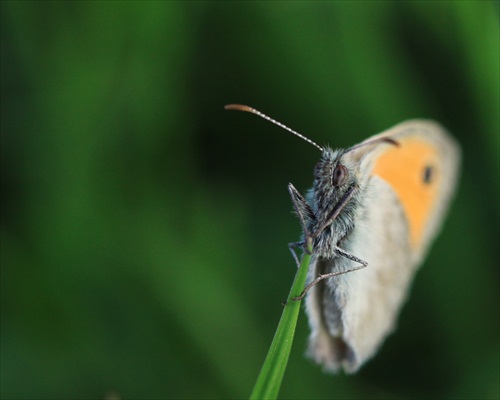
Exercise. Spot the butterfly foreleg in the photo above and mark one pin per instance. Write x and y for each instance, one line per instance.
(292, 246)
(305, 214)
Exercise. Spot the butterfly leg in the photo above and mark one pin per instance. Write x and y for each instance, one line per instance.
(345, 254)
(304, 212)
(335, 212)
(341, 253)
(292, 246)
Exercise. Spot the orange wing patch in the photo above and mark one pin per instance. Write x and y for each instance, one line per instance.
(412, 170)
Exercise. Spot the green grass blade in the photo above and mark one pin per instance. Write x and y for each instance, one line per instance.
(271, 375)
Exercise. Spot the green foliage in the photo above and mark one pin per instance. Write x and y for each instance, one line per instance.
(144, 229)
(271, 375)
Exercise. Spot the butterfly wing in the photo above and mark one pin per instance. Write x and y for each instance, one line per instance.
(423, 172)
(406, 192)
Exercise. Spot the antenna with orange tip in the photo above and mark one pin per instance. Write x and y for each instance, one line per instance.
(241, 107)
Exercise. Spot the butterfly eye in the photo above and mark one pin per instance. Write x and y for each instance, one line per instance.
(340, 175)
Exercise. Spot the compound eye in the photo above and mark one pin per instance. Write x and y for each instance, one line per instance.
(340, 175)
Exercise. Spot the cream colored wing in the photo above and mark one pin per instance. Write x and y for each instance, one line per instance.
(407, 190)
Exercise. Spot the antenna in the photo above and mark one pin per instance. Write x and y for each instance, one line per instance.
(241, 107)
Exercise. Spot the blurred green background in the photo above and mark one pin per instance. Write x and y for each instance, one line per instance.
(144, 229)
